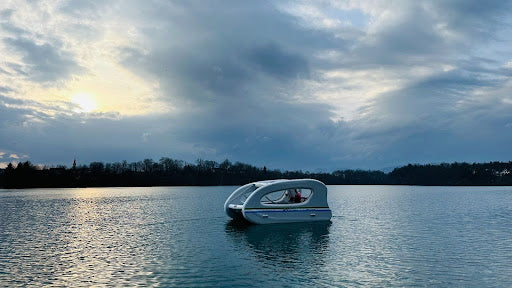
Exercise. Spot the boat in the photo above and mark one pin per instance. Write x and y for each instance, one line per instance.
(279, 201)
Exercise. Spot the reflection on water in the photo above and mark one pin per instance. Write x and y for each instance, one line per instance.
(290, 254)
(80, 239)
(295, 244)
(101, 233)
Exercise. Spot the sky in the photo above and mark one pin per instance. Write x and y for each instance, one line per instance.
(309, 85)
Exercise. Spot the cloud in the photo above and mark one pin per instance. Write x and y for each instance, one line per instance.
(81, 8)
(44, 62)
(272, 60)
(297, 85)
(4, 89)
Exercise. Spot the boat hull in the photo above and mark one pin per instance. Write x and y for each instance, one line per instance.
(236, 214)
(269, 216)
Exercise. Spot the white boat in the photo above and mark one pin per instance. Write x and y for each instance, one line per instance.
(279, 201)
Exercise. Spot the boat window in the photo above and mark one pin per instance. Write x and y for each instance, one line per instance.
(245, 194)
(288, 196)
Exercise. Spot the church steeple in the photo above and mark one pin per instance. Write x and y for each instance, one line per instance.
(74, 163)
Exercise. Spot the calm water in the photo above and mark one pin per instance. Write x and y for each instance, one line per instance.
(179, 236)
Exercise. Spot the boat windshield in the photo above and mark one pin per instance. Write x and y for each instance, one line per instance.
(288, 196)
(245, 194)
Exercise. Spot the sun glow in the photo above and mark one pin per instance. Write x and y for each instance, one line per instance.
(85, 102)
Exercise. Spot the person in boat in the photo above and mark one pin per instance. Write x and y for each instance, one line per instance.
(297, 198)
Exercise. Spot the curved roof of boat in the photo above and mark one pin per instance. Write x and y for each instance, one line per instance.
(268, 182)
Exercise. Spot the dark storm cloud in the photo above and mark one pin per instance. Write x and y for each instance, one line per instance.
(426, 122)
(428, 102)
(45, 62)
(261, 134)
(227, 52)
(12, 119)
(473, 16)
(273, 60)
(234, 85)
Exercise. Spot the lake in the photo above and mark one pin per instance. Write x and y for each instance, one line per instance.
(379, 236)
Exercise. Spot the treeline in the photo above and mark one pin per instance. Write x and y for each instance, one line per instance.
(171, 172)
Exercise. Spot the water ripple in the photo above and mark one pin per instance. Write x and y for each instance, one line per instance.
(380, 236)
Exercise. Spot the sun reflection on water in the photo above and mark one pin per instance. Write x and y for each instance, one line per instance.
(103, 238)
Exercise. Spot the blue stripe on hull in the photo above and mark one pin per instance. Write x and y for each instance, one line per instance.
(288, 210)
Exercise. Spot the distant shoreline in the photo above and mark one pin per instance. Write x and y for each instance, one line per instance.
(171, 172)
(30, 188)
